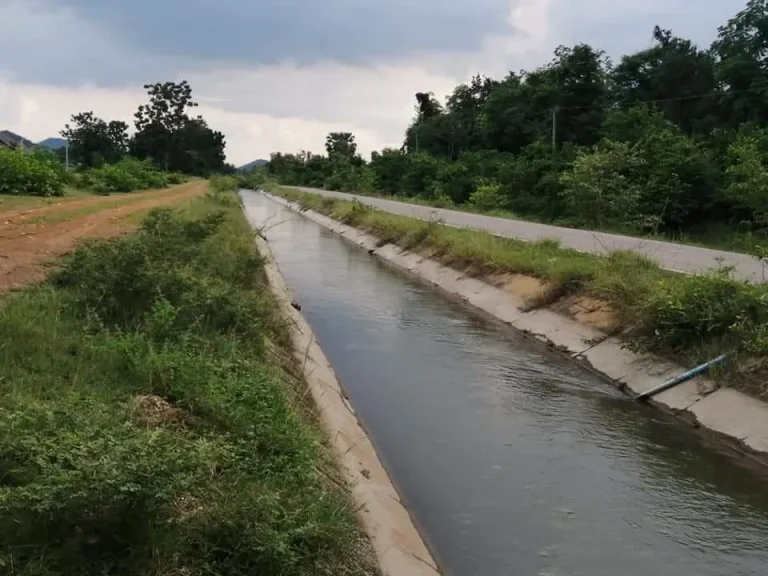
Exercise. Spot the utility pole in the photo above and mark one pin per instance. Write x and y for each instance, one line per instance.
(66, 157)
(554, 129)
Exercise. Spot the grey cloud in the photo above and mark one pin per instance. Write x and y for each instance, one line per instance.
(303, 31)
(621, 27)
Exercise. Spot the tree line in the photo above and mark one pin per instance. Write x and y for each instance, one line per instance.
(165, 133)
(671, 138)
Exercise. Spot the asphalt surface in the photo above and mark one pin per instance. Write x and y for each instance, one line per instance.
(677, 257)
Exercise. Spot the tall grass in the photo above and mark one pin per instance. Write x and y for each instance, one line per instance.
(148, 420)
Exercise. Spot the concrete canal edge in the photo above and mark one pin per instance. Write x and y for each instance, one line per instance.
(397, 543)
(732, 417)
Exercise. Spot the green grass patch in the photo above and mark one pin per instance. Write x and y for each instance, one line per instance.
(688, 318)
(148, 420)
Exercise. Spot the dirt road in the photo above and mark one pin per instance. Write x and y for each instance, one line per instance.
(31, 238)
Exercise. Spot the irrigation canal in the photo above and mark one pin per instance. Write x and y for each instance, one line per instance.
(512, 460)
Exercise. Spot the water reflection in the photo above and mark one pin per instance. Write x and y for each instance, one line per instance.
(513, 460)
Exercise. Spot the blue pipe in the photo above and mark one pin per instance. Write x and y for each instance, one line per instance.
(683, 377)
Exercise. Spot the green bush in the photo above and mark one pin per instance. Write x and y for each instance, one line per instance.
(225, 183)
(486, 196)
(600, 189)
(128, 175)
(690, 313)
(29, 174)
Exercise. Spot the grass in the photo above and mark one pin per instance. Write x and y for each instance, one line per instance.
(8, 202)
(149, 420)
(687, 318)
(718, 236)
(108, 203)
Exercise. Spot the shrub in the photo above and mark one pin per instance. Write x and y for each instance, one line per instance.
(29, 174)
(486, 196)
(600, 189)
(685, 314)
(225, 183)
(127, 175)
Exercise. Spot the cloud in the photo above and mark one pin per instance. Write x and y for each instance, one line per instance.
(300, 31)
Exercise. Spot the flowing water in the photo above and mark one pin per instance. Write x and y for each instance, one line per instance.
(512, 460)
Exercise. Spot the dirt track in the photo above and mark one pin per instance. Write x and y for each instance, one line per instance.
(28, 243)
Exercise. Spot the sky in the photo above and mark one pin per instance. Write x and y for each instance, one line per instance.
(278, 75)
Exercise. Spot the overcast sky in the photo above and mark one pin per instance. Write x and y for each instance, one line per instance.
(281, 74)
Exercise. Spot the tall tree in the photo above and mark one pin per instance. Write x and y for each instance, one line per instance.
(742, 67)
(677, 76)
(167, 135)
(93, 141)
(341, 144)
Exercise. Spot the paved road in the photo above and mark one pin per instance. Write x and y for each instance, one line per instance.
(671, 256)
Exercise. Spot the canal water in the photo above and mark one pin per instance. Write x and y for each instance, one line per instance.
(512, 460)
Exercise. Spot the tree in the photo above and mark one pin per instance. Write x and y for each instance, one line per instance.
(389, 166)
(93, 142)
(675, 74)
(742, 64)
(168, 136)
(341, 144)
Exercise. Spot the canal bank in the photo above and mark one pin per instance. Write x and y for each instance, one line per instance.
(513, 460)
(735, 418)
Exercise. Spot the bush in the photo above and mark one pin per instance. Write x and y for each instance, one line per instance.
(29, 174)
(128, 175)
(225, 183)
(600, 189)
(747, 180)
(713, 310)
(486, 196)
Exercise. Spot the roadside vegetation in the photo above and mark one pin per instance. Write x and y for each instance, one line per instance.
(687, 318)
(670, 141)
(150, 419)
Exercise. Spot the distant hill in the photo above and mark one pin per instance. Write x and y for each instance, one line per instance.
(12, 139)
(53, 143)
(252, 165)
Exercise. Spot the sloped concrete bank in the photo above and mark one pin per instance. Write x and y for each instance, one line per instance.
(398, 545)
(738, 420)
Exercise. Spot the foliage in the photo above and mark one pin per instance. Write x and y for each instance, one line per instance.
(94, 142)
(128, 175)
(224, 183)
(747, 179)
(147, 428)
(36, 174)
(601, 190)
(168, 136)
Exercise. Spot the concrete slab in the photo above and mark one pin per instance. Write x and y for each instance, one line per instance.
(561, 331)
(735, 414)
